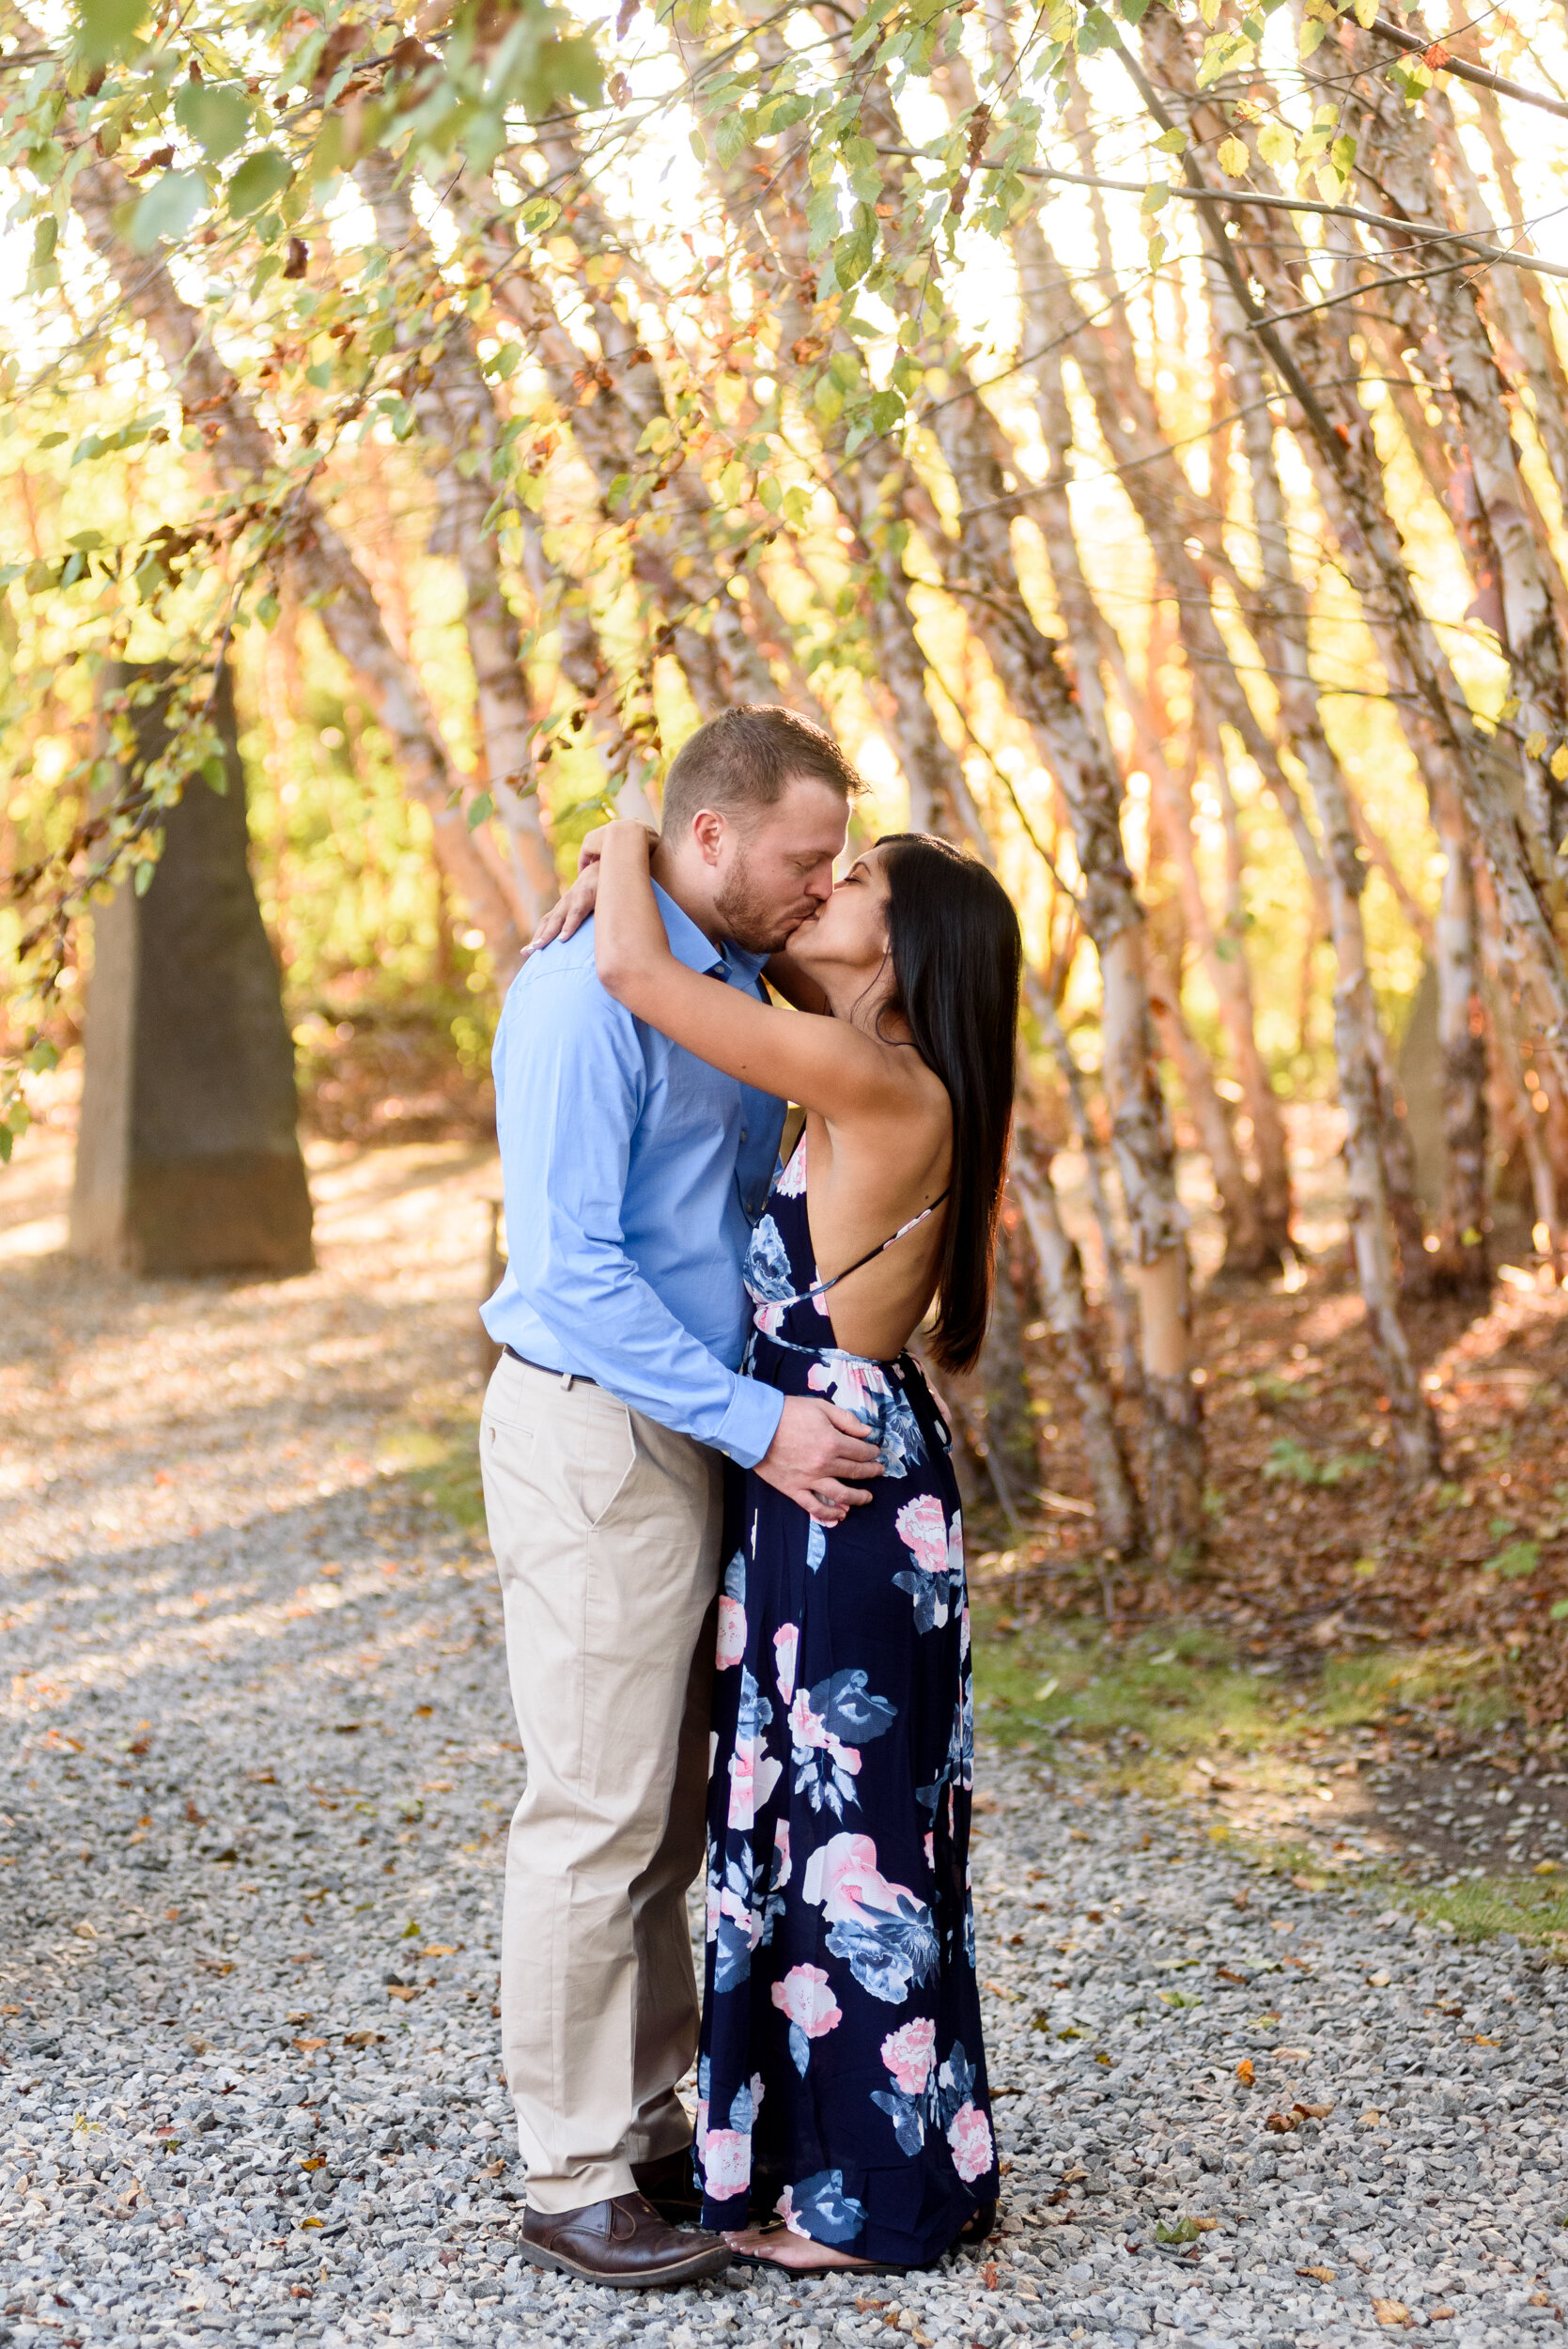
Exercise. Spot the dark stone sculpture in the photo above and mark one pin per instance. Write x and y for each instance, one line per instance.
(188, 1160)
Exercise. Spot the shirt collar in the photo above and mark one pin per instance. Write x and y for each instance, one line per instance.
(687, 943)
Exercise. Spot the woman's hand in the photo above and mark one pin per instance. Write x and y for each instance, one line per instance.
(572, 907)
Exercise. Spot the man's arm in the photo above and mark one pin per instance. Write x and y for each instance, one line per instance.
(571, 1093)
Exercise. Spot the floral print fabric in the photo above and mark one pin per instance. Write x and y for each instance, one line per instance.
(842, 2082)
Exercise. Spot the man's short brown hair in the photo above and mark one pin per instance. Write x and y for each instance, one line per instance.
(742, 760)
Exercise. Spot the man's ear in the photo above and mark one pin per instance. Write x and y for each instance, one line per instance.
(709, 830)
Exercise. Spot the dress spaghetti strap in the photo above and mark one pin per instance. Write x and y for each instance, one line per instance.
(820, 1288)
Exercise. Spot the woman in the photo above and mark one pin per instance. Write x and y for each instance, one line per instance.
(842, 2076)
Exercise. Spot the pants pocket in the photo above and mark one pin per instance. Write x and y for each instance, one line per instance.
(603, 1461)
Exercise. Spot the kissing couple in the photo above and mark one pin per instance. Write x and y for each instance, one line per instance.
(721, 1499)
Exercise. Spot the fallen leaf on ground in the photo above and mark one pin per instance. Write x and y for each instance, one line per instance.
(983, 1802)
(1369, 2120)
(298, 2015)
(1435, 2316)
(989, 2275)
(1392, 2312)
(1282, 2122)
(308, 2046)
(1185, 2231)
(439, 1949)
(1205, 2226)
(313, 2161)
(362, 2038)
(1245, 2073)
(1481, 2040)
(1324, 2275)
(1223, 1973)
(402, 1990)
(1314, 2113)
(863, 2307)
(1291, 2055)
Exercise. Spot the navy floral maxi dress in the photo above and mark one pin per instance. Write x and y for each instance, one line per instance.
(842, 2081)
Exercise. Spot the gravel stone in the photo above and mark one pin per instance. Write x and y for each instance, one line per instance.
(256, 1770)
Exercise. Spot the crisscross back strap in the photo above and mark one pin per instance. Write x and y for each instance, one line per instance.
(820, 1288)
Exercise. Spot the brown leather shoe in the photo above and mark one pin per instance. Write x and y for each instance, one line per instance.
(623, 2242)
(668, 2184)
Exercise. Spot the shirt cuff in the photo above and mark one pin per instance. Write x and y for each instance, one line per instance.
(751, 1423)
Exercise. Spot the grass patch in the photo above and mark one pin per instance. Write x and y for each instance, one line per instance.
(1168, 1693)
(439, 1454)
(1468, 1687)
(1534, 1907)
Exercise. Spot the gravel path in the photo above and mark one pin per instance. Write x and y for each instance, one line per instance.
(255, 1775)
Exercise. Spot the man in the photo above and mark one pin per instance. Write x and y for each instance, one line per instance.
(633, 1173)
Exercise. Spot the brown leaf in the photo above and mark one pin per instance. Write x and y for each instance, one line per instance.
(1282, 2122)
(1314, 2113)
(1435, 2316)
(1245, 2073)
(404, 1990)
(989, 2275)
(363, 2038)
(1392, 2312)
(1324, 2275)
(313, 2161)
(308, 2046)
(1223, 1973)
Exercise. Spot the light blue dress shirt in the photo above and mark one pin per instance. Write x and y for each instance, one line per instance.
(633, 1173)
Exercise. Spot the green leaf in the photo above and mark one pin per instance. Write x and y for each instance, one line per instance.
(320, 374)
(1170, 142)
(109, 29)
(1185, 2231)
(258, 179)
(480, 809)
(1517, 1559)
(141, 881)
(216, 115)
(167, 209)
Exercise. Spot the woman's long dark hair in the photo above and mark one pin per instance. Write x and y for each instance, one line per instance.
(958, 960)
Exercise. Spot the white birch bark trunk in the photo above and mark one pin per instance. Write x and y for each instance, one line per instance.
(1117, 1507)
(318, 563)
(456, 413)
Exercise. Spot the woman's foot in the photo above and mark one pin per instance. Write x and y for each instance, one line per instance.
(785, 2248)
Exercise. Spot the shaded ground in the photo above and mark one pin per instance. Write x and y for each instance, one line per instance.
(258, 1763)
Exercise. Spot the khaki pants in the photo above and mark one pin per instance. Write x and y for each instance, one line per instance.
(606, 1529)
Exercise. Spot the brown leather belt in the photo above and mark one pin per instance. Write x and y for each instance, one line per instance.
(569, 1377)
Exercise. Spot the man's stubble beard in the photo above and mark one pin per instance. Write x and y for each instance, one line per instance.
(751, 920)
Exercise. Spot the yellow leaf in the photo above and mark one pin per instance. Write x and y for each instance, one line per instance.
(1324, 2275)
(1245, 2073)
(1208, 10)
(1535, 745)
(1365, 14)
(1231, 157)
(439, 1949)
(1559, 761)
(1392, 2312)
(1277, 142)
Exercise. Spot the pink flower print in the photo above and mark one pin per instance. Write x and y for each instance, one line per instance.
(969, 2136)
(785, 2208)
(758, 2092)
(702, 2124)
(855, 1386)
(930, 1850)
(922, 1530)
(786, 1648)
(726, 2164)
(769, 1320)
(910, 2053)
(844, 1880)
(792, 1182)
(804, 1994)
(781, 1855)
(809, 1730)
(732, 1633)
(742, 1811)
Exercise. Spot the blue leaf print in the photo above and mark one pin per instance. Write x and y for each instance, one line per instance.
(924, 1589)
(732, 1961)
(742, 2110)
(799, 2048)
(825, 2211)
(734, 1577)
(955, 2084)
(817, 1543)
(888, 1954)
(755, 1710)
(847, 1710)
(908, 2126)
(903, 1447)
(768, 1274)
